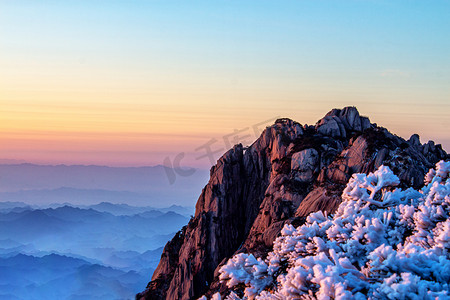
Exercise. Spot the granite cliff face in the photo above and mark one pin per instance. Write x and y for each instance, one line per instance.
(288, 172)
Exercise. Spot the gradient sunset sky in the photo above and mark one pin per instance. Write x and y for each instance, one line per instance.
(129, 83)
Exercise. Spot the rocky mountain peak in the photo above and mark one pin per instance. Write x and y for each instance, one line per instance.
(288, 172)
(342, 122)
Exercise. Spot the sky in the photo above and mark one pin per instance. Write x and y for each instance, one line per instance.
(132, 83)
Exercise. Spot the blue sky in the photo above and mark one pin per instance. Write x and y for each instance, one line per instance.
(188, 63)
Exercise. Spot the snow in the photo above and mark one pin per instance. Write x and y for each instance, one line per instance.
(245, 268)
(382, 243)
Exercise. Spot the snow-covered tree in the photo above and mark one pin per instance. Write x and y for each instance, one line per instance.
(381, 243)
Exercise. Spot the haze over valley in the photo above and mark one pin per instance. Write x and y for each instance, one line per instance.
(86, 232)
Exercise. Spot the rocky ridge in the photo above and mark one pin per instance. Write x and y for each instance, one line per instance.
(288, 172)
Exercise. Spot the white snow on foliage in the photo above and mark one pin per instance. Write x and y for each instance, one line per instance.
(382, 243)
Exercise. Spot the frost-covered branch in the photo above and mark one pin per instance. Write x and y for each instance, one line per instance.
(382, 243)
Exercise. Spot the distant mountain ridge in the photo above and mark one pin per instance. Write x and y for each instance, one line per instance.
(87, 252)
(49, 221)
(142, 186)
(62, 277)
(25, 176)
(76, 230)
(119, 209)
(75, 196)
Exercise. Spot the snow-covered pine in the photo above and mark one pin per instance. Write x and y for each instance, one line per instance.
(382, 243)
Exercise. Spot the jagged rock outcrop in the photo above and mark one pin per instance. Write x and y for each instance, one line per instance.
(305, 164)
(288, 172)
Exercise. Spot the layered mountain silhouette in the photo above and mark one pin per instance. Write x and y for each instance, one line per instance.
(290, 171)
(75, 228)
(70, 252)
(62, 277)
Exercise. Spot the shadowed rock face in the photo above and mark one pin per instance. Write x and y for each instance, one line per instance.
(287, 173)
